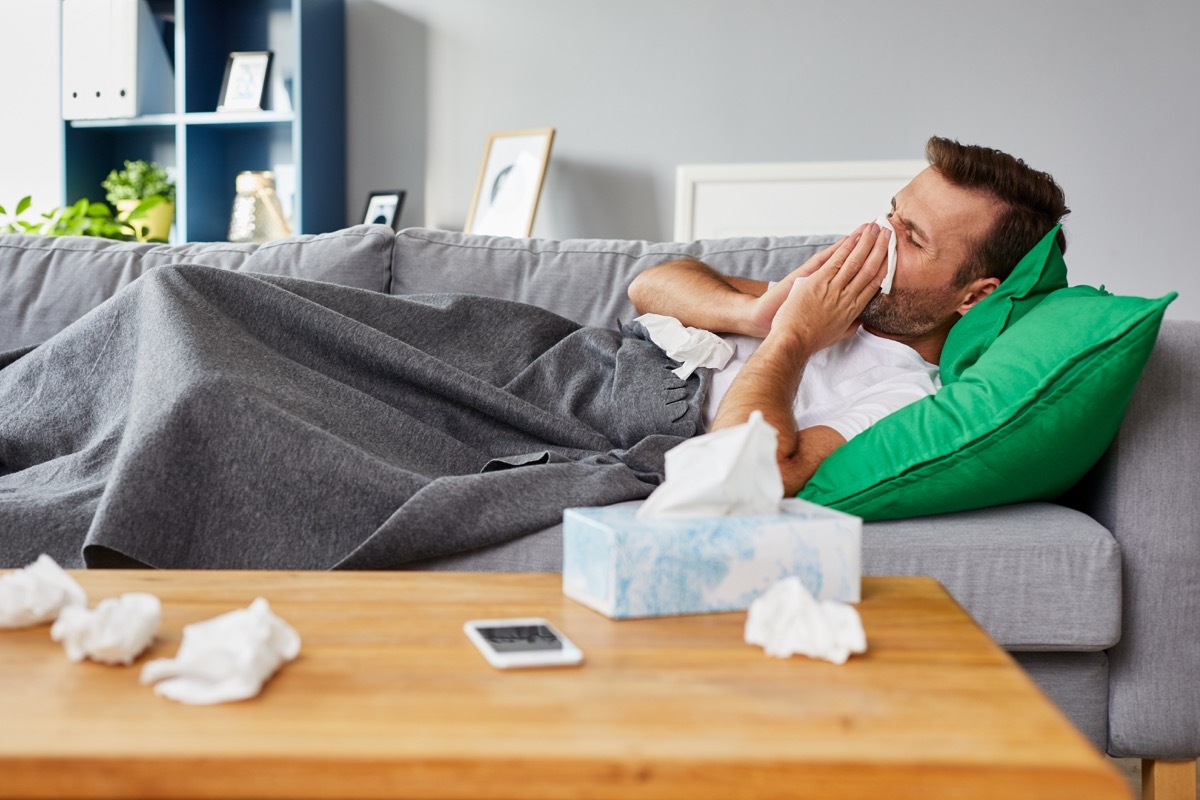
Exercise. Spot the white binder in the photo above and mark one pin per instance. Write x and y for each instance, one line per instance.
(114, 62)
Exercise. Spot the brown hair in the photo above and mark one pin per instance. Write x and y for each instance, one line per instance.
(1033, 204)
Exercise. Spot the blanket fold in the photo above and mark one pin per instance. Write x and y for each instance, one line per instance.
(210, 419)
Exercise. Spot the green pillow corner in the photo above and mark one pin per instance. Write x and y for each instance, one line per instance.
(1041, 272)
(1025, 421)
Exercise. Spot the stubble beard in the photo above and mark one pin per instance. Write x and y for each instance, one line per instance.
(907, 313)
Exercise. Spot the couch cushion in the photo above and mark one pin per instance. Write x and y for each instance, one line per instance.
(47, 282)
(582, 279)
(1036, 576)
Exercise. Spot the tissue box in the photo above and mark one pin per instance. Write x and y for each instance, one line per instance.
(624, 567)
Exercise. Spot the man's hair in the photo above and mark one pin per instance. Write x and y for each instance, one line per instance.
(1033, 204)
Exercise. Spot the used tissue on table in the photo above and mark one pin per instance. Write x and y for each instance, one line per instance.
(37, 593)
(730, 471)
(787, 619)
(694, 347)
(115, 632)
(225, 658)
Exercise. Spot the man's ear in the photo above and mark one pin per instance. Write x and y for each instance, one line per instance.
(975, 291)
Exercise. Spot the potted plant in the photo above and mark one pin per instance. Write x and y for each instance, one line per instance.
(83, 218)
(143, 191)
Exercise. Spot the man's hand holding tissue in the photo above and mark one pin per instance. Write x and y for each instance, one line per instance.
(817, 312)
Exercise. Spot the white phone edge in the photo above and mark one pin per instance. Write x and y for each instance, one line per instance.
(570, 655)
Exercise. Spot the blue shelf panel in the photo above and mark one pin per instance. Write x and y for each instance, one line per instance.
(204, 148)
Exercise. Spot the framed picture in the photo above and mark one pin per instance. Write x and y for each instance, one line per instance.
(383, 208)
(510, 182)
(716, 201)
(245, 83)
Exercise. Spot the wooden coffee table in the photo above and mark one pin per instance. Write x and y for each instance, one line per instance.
(389, 699)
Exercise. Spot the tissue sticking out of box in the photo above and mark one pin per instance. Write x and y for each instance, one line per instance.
(225, 658)
(730, 471)
(37, 593)
(115, 632)
(884, 222)
(693, 347)
(788, 620)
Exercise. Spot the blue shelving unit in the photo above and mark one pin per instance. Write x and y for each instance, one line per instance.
(206, 148)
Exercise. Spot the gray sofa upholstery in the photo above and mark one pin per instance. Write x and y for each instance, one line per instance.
(1098, 596)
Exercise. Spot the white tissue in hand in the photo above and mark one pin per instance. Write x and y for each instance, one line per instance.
(787, 620)
(730, 471)
(37, 593)
(225, 658)
(115, 632)
(884, 222)
(694, 347)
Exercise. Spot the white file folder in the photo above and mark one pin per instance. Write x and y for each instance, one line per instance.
(114, 63)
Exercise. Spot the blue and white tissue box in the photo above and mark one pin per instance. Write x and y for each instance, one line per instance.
(625, 567)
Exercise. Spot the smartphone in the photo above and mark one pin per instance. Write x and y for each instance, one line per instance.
(522, 642)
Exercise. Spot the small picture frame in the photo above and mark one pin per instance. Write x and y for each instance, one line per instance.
(383, 208)
(510, 182)
(245, 84)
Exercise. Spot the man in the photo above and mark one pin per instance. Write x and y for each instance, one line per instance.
(961, 226)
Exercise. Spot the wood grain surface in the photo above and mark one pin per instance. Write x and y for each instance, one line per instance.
(389, 699)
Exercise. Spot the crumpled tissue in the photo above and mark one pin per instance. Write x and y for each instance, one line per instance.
(37, 593)
(787, 620)
(730, 471)
(115, 632)
(884, 222)
(225, 658)
(695, 347)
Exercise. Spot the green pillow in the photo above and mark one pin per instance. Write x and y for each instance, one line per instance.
(1039, 273)
(1025, 422)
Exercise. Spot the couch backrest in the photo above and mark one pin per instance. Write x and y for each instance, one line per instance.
(48, 282)
(582, 279)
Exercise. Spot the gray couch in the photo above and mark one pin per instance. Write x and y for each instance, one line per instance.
(1097, 596)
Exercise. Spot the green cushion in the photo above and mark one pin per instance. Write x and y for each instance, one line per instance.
(1039, 273)
(1025, 422)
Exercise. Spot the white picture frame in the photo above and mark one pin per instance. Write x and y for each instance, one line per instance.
(244, 87)
(510, 183)
(718, 201)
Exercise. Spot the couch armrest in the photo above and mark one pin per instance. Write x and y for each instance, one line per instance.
(1145, 493)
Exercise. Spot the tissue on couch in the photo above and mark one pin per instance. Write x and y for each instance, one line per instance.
(693, 347)
(626, 567)
(37, 593)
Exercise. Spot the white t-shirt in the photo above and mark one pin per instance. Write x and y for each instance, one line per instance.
(848, 386)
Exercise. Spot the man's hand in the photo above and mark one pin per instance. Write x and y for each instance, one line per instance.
(824, 308)
(815, 313)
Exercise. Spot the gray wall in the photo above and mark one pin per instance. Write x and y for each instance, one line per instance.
(1101, 94)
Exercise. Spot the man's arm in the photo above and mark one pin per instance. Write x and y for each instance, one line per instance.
(814, 314)
(697, 295)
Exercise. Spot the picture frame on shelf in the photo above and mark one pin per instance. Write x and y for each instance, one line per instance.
(244, 86)
(383, 208)
(510, 182)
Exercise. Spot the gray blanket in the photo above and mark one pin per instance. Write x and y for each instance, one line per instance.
(210, 419)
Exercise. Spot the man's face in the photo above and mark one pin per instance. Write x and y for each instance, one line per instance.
(936, 225)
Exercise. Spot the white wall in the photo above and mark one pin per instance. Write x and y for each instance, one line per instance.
(30, 131)
(1101, 94)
